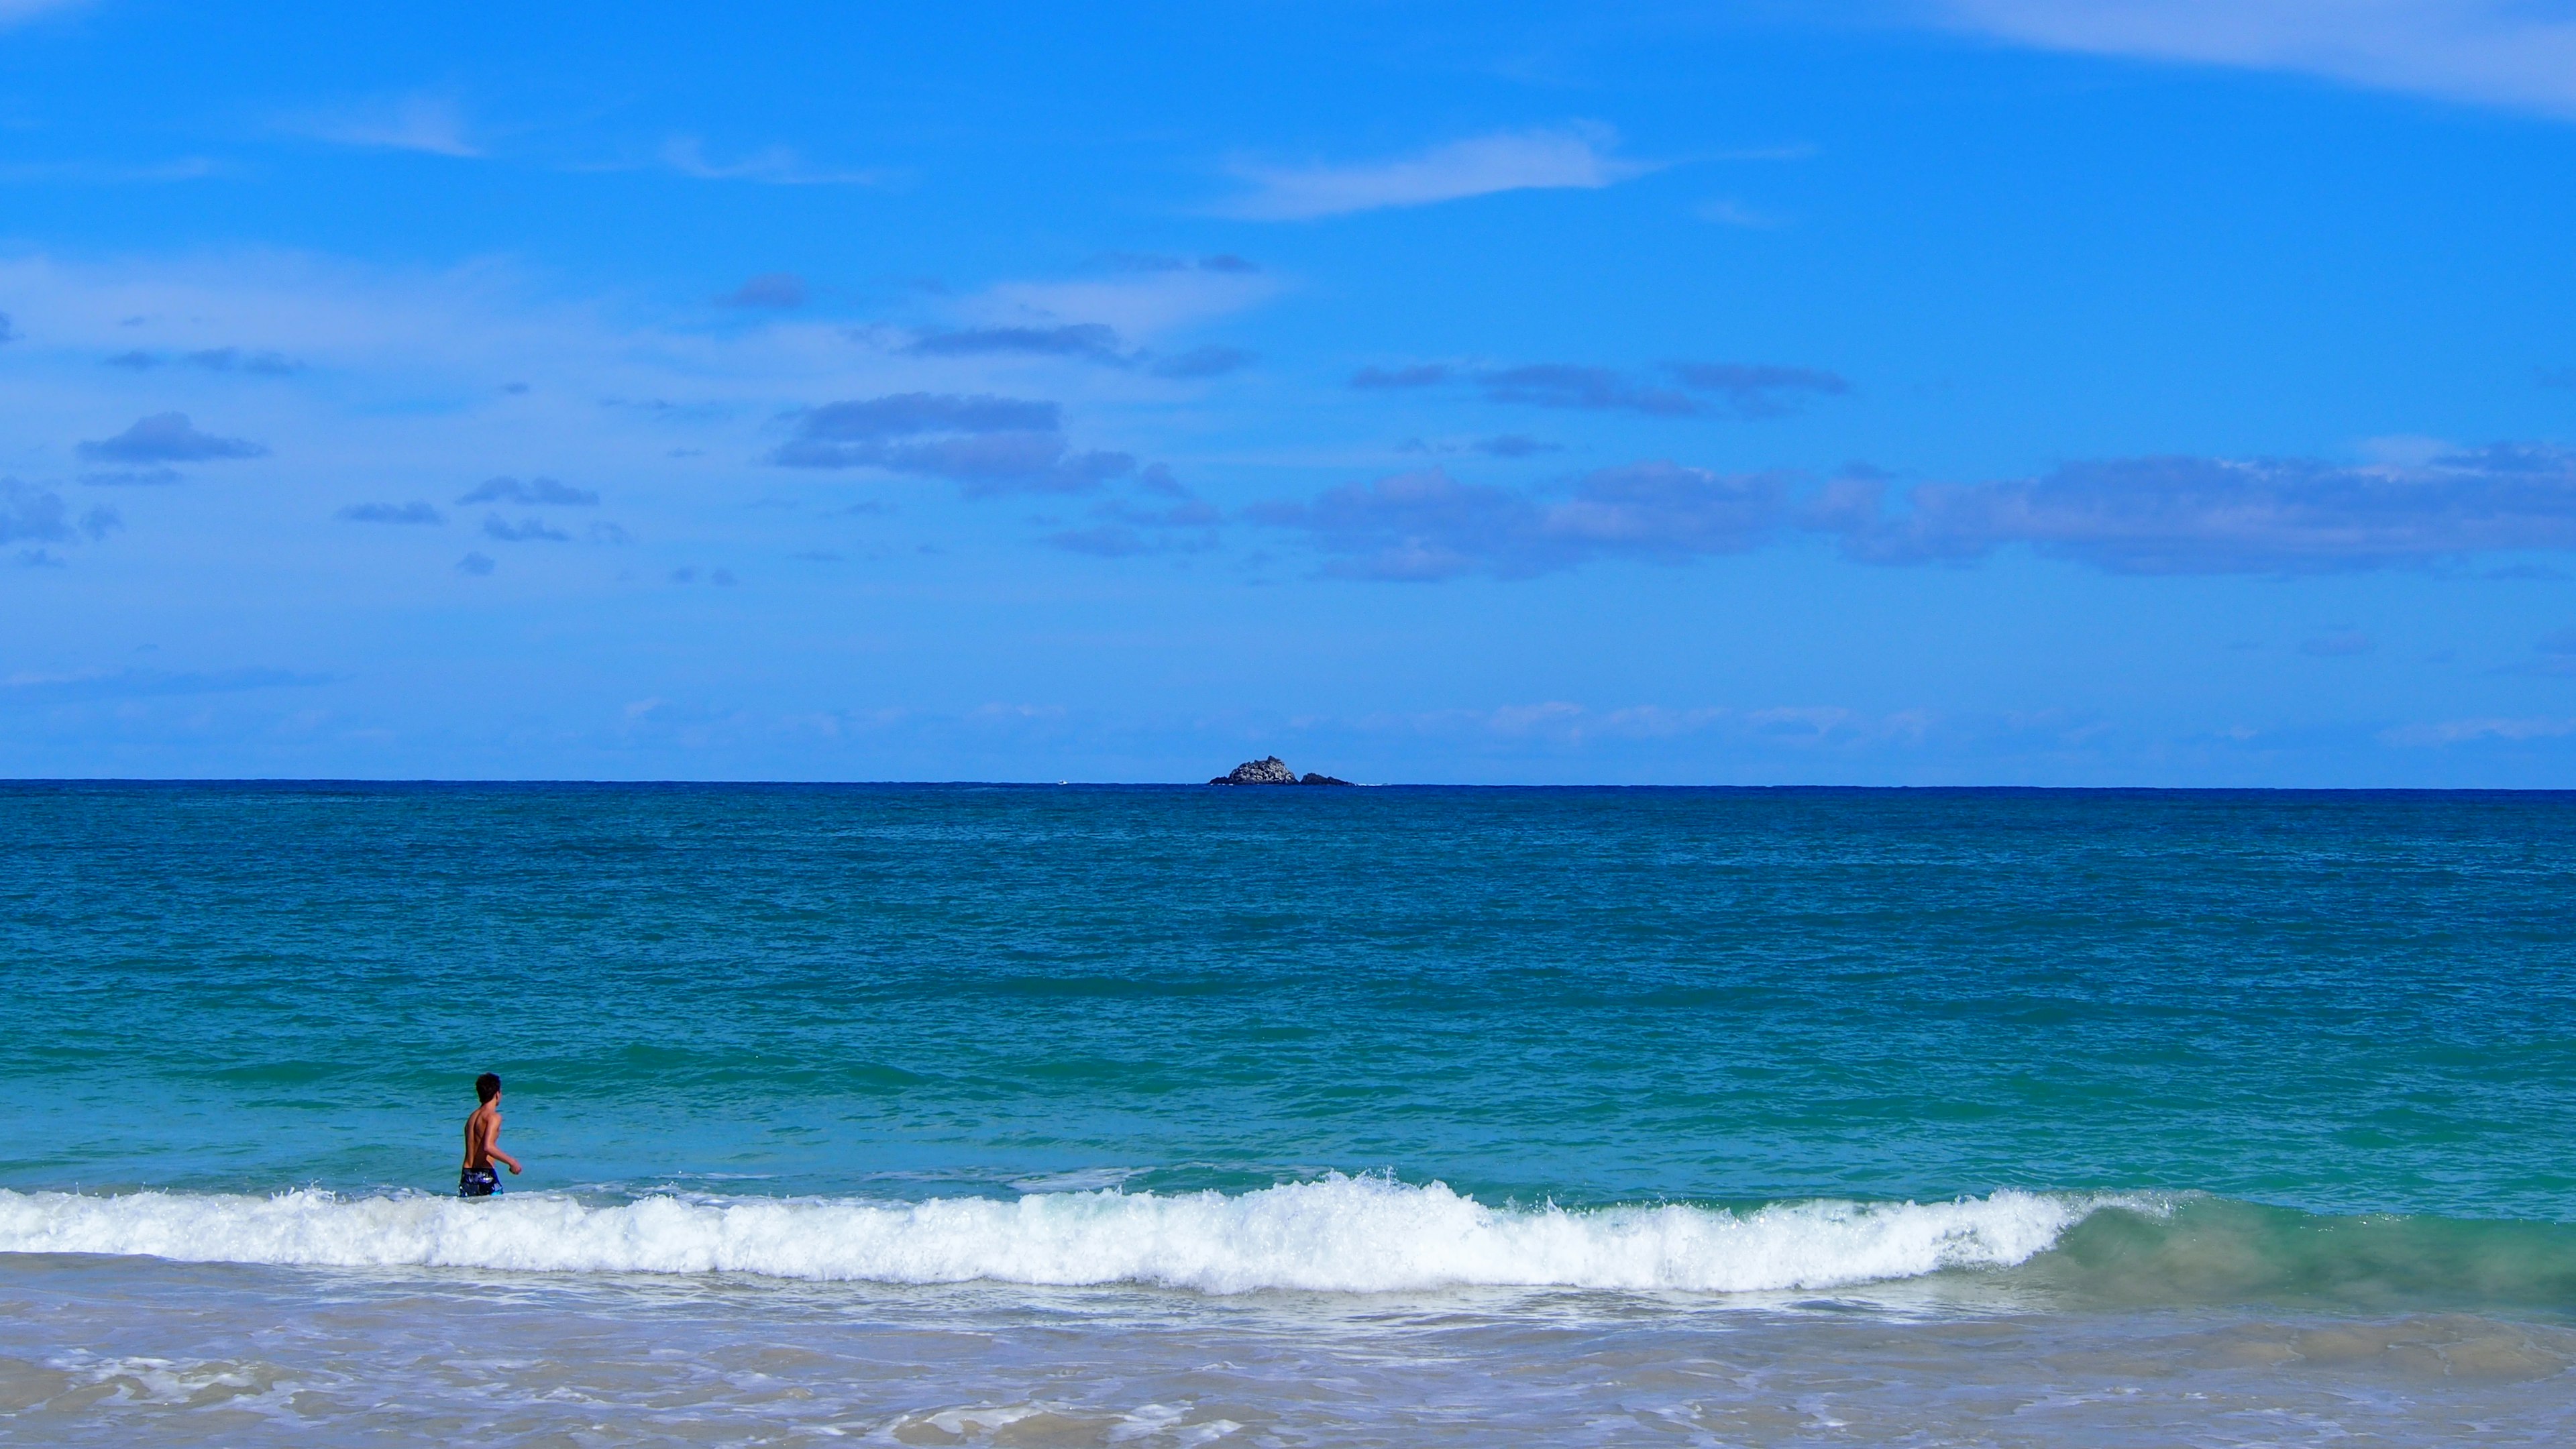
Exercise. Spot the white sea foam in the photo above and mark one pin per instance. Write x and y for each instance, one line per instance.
(1340, 1234)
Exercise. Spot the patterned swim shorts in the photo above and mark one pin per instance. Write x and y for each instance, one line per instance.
(478, 1182)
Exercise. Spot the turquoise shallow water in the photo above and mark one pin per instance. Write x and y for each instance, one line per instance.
(2172, 1071)
(2337, 1002)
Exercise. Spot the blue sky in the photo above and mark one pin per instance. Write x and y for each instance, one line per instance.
(1965, 391)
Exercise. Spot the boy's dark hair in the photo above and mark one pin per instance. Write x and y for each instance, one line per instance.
(486, 1087)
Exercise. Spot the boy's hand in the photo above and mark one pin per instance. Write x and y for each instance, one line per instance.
(514, 1169)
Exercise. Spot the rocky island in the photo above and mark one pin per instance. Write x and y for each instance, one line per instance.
(1271, 770)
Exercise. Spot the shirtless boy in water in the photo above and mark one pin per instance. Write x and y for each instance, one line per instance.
(483, 1143)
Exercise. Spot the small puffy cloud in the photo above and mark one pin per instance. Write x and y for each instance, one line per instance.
(1758, 390)
(1005, 462)
(907, 413)
(32, 513)
(1107, 540)
(665, 410)
(779, 290)
(2557, 651)
(1565, 385)
(1198, 362)
(474, 565)
(1423, 374)
(1574, 156)
(1685, 389)
(2184, 515)
(983, 443)
(1662, 511)
(526, 530)
(1424, 525)
(8, 329)
(167, 438)
(2337, 644)
(391, 513)
(1090, 341)
(231, 359)
(1427, 525)
(535, 492)
(212, 359)
(39, 515)
(1124, 529)
(1730, 389)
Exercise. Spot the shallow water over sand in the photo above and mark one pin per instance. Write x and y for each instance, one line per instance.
(107, 1353)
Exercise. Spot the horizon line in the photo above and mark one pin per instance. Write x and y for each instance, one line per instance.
(565, 782)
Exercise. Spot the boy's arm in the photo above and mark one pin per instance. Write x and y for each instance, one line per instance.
(492, 1146)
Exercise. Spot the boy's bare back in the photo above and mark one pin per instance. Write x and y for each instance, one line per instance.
(482, 1129)
(483, 1143)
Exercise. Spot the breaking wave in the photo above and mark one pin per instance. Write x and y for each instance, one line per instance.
(1339, 1234)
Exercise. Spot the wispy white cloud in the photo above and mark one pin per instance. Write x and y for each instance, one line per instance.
(1567, 724)
(13, 12)
(2488, 52)
(2470, 731)
(1574, 156)
(769, 166)
(423, 122)
(101, 173)
(2186, 515)
(1139, 304)
(1735, 213)
(147, 683)
(1786, 151)
(1427, 526)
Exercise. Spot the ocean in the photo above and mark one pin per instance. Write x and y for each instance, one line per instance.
(1156, 1116)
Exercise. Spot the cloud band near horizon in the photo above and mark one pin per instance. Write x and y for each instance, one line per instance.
(2154, 515)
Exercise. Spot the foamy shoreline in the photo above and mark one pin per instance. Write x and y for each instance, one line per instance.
(1338, 1234)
